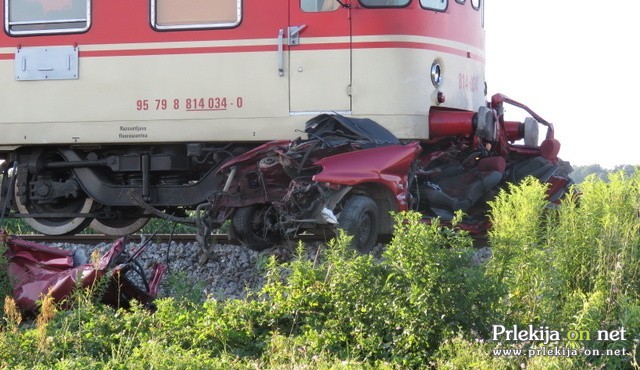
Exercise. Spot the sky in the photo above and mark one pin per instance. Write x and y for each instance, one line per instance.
(575, 64)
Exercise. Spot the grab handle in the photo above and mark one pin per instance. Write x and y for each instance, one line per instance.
(281, 52)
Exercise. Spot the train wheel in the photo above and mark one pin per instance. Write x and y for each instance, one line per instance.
(56, 226)
(360, 218)
(120, 225)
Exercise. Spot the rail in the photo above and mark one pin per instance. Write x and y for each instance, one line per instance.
(158, 238)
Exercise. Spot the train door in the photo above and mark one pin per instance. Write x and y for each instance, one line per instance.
(319, 45)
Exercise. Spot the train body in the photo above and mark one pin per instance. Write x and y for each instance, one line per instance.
(113, 109)
(245, 73)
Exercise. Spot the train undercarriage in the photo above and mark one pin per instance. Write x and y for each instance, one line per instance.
(114, 189)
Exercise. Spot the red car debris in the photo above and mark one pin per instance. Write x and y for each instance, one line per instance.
(35, 270)
(350, 173)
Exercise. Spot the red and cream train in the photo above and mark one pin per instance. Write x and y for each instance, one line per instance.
(111, 108)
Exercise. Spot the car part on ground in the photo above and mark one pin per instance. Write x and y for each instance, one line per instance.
(36, 270)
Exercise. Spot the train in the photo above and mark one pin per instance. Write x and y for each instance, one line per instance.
(113, 112)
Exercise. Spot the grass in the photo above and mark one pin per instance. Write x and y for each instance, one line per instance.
(17, 226)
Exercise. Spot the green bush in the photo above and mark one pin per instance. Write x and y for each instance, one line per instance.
(397, 309)
(520, 260)
(572, 267)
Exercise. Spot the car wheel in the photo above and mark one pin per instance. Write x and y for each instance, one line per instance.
(360, 218)
(255, 226)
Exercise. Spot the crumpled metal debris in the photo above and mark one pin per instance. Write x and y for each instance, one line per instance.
(36, 270)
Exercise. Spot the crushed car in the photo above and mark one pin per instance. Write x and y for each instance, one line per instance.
(350, 173)
(36, 270)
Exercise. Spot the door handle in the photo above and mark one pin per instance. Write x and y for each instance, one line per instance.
(293, 34)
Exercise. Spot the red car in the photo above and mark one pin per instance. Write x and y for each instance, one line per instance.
(351, 173)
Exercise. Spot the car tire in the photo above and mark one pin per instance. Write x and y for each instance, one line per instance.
(360, 218)
(249, 227)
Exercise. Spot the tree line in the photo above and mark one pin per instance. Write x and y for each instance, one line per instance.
(581, 172)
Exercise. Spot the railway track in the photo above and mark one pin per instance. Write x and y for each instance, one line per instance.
(91, 239)
(101, 238)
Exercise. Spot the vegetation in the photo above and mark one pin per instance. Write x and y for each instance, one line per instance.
(17, 226)
(580, 173)
(572, 269)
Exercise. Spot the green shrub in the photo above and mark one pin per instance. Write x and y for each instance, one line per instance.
(573, 267)
(520, 261)
(457, 352)
(396, 309)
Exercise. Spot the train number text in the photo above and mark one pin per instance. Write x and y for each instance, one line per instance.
(190, 104)
(467, 82)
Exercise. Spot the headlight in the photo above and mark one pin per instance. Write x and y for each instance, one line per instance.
(436, 74)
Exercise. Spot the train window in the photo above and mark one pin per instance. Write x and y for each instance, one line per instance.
(318, 5)
(384, 3)
(438, 5)
(460, 1)
(475, 4)
(37, 17)
(189, 14)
